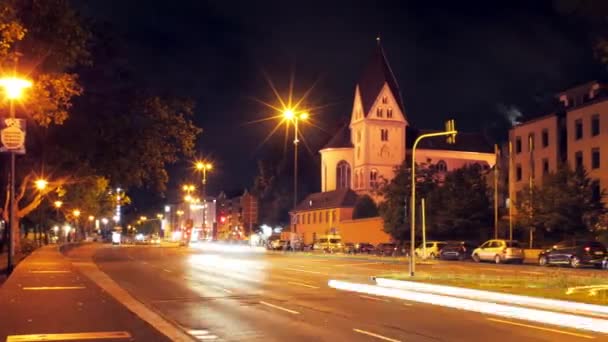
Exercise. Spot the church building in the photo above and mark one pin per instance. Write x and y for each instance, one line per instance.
(377, 139)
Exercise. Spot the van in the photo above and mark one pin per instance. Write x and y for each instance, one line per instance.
(329, 243)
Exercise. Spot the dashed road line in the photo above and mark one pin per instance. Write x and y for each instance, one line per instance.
(99, 335)
(43, 288)
(302, 284)
(300, 270)
(375, 298)
(279, 308)
(541, 328)
(369, 333)
(202, 334)
(166, 270)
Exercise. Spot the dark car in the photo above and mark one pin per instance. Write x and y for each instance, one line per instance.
(386, 249)
(575, 253)
(457, 250)
(364, 248)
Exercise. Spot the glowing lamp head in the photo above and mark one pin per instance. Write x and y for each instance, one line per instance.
(288, 114)
(76, 212)
(304, 116)
(41, 184)
(13, 86)
(57, 204)
(91, 217)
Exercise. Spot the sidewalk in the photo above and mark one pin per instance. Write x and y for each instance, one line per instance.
(46, 295)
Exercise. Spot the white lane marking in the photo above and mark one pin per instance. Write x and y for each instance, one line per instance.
(358, 264)
(69, 336)
(42, 288)
(305, 271)
(302, 284)
(279, 308)
(51, 271)
(166, 270)
(202, 334)
(540, 328)
(375, 298)
(368, 333)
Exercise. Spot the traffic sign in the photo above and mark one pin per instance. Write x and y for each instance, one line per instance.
(12, 135)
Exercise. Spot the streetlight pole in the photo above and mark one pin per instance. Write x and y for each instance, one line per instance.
(294, 117)
(451, 132)
(204, 167)
(13, 88)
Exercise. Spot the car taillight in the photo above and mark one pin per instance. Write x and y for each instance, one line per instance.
(587, 249)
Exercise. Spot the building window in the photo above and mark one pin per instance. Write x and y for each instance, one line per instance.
(389, 113)
(320, 217)
(518, 175)
(517, 144)
(308, 219)
(595, 125)
(442, 166)
(384, 134)
(595, 158)
(373, 178)
(379, 112)
(545, 166)
(327, 216)
(578, 159)
(545, 138)
(531, 142)
(343, 175)
(384, 99)
(578, 129)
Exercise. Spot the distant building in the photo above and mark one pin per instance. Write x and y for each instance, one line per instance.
(378, 139)
(576, 132)
(237, 215)
(203, 216)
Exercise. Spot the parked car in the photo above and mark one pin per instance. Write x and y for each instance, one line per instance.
(329, 243)
(575, 253)
(277, 245)
(457, 250)
(433, 248)
(386, 249)
(364, 248)
(499, 251)
(402, 249)
(349, 248)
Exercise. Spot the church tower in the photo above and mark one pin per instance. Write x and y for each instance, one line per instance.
(377, 126)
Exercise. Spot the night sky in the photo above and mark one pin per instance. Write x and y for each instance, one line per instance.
(465, 60)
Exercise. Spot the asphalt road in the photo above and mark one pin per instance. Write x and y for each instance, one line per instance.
(275, 297)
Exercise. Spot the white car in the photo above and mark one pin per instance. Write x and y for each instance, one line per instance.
(499, 251)
(433, 248)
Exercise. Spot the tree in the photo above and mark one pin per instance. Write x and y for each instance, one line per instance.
(365, 207)
(460, 207)
(397, 193)
(568, 203)
(272, 193)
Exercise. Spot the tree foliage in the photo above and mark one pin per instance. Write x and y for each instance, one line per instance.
(461, 206)
(272, 193)
(566, 204)
(397, 194)
(365, 207)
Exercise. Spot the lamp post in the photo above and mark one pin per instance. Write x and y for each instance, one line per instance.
(451, 133)
(13, 89)
(76, 213)
(40, 184)
(295, 117)
(204, 167)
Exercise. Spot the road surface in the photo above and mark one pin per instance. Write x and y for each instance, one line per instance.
(274, 297)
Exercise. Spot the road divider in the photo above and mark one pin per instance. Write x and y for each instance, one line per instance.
(514, 312)
(536, 302)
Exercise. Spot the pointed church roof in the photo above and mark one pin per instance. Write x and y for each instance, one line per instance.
(375, 74)
(341, 139)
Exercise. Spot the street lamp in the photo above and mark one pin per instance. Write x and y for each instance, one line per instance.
(41, 184)
(13, 90)
(204, 167)
(295, 117)
(450, 132)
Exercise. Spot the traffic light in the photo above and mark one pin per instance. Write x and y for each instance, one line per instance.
(450, 126)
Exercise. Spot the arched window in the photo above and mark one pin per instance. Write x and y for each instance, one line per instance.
(373, 178)
(442, 166)
(342, 175)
